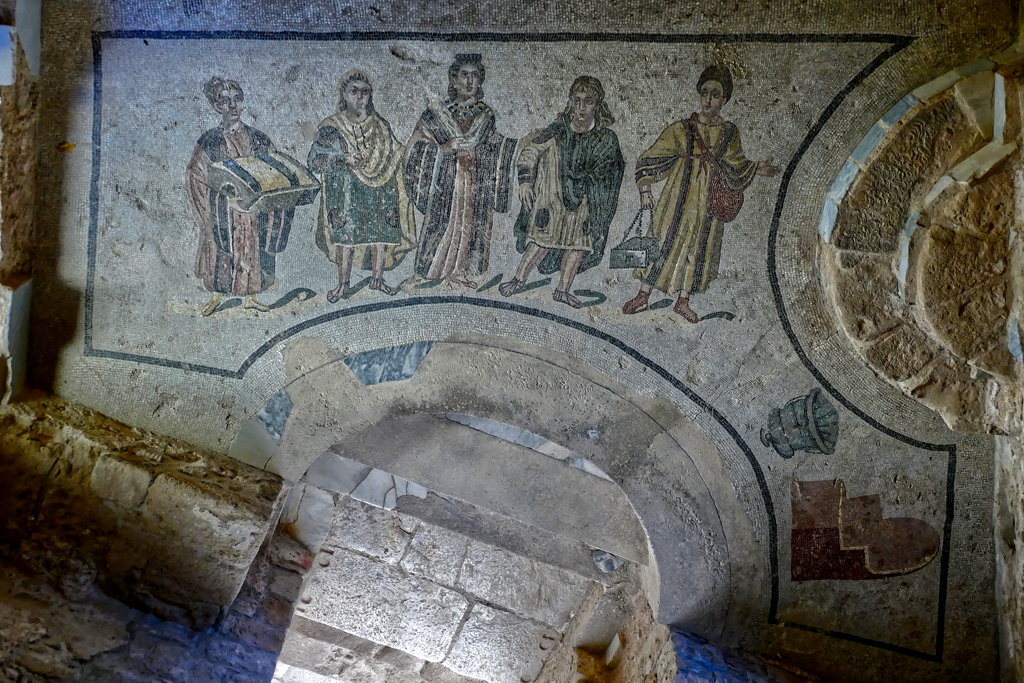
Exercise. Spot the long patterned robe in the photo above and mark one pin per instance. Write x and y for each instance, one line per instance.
(372, 199)
(576, 179)
(457, 193)
(690, 236)
(237, 250)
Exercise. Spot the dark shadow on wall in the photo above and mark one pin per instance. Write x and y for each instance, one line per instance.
(66, 63)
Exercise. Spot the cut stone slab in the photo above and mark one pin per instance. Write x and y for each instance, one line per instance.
(528, 588)
(976, 92)
(489, 631)
(313, 517)
(374, 489)
(335, 473)
(367, 529)
(375, 601)
(435, 553)
(982, 161)
(343, 640)
(304, 652)
(931, 88)
(120, 481)
(506, 478)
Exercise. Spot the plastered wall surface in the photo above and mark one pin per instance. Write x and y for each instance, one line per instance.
(119, 305)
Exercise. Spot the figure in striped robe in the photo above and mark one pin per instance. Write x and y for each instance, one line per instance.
(705, 171)
(458, 173)
(237, 248)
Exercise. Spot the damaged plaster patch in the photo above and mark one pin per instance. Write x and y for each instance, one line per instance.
(388, 365)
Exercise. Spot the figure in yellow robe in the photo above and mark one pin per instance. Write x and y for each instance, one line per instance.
(705, 171)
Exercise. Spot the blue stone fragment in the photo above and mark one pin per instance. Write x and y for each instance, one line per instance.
(843, 181)
(388, 365)
(899, 109)
(274, 415)
(868, 144)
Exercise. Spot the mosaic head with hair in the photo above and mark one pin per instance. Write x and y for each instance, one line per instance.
(349, 77)
(589, 85)
(463, 60)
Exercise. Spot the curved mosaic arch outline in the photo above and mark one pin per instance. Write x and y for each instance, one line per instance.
(897, 44)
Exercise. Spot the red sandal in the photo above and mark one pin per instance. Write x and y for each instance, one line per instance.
(637, 303)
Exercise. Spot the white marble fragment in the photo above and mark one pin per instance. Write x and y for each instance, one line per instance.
(374, 488)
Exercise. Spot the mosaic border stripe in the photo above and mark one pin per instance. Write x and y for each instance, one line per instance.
(897, 43)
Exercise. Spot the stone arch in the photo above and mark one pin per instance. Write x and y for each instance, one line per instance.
(918, 251)
(704, 566)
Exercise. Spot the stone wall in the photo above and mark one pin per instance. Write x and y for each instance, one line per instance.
(439, 596)
(1009, 540)
(154, 522)
(19, 118)
(919, 245)
(46, 637)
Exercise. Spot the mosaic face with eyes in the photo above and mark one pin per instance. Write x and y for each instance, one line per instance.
(355, 99)
(229, 105)
(584, 106)
(467, 82)
(712, 98)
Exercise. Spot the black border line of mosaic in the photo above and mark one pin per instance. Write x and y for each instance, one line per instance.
(780, 307)
(898, 43)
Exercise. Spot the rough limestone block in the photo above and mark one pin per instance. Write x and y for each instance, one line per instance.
(914, 155)
(374, 600)
(865, 292)
(221, 538)
(950, 391)
(1013, 80)
(367, 529)
(531, 589)
(489, 631)
(963, 289)
(436, 554)
(901, 354)
(120, 481)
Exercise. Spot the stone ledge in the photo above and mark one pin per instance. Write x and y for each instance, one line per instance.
(166, 527)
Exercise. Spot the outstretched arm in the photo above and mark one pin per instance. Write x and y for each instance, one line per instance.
(765, 168)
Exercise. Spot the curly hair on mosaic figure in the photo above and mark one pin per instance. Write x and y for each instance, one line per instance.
(453, 71)
(216, 85)
(591, 86)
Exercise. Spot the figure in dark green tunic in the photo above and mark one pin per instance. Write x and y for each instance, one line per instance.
(364, 210)
(569, 178)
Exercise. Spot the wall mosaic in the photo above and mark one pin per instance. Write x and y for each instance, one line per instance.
(627, 201)
(420, 201)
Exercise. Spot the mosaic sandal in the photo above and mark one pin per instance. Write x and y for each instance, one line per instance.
(212, 305)
(379, 285)
(566, 298)
(338, 293)
(637, 303)
(512, 287)
(682, 308)
(254, 304)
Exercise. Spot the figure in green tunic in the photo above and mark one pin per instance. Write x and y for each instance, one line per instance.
(705, 171)
(365, 213)
(569, 179)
